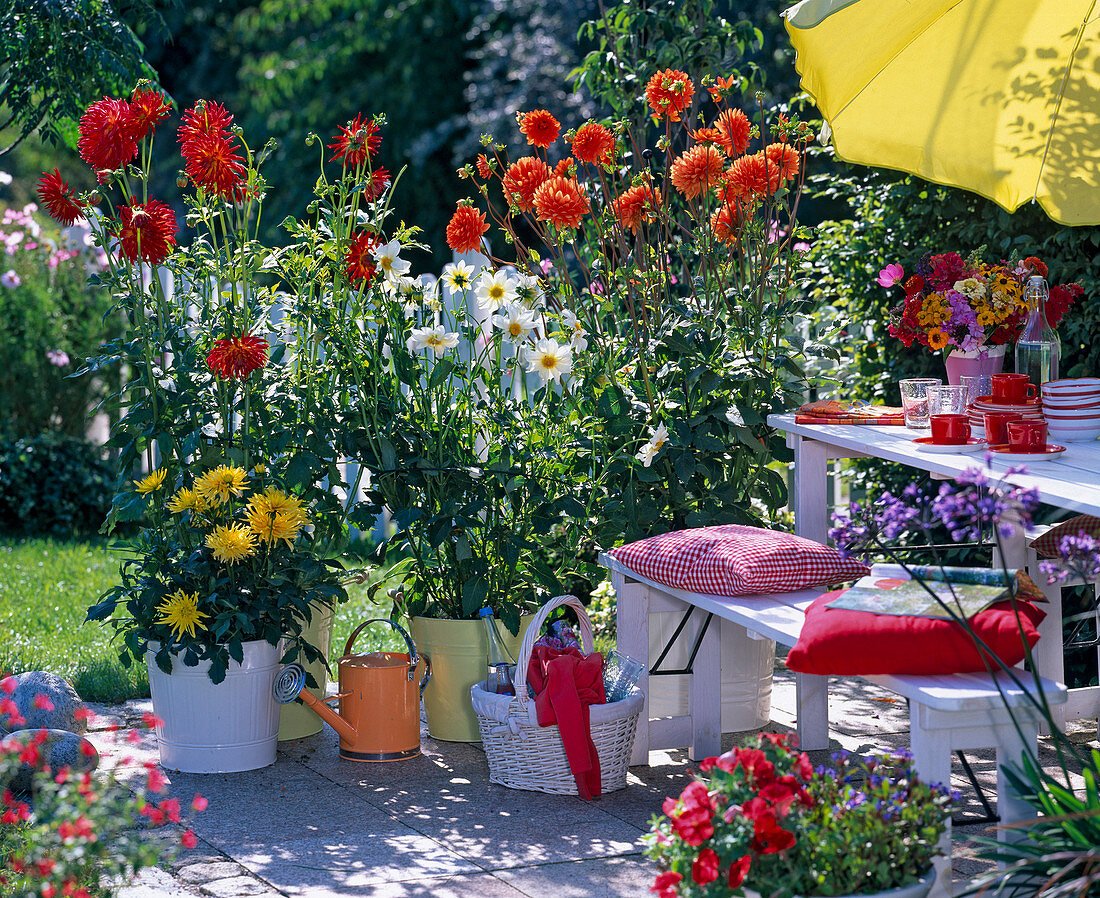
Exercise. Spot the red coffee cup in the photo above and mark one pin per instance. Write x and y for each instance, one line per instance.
(996, 433)
(950, 430)
(1027, 436)
(1013, 388)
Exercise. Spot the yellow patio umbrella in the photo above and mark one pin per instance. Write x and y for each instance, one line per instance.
(1001, 97)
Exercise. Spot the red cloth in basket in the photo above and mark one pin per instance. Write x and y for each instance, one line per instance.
(566, 683)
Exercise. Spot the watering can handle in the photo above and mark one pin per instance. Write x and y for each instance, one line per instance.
(413, 656)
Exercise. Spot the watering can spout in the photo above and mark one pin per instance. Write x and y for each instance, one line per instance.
(329, 716)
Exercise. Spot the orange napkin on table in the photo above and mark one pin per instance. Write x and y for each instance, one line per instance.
(833, 411)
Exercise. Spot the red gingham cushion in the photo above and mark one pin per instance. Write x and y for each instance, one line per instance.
(735, 560)
(1046, 546)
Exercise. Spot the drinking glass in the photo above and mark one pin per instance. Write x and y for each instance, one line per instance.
(947, 399)
(977, 385)
(914, 400)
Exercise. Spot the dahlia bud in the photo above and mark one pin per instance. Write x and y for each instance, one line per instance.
(95, 198)
(181, 181)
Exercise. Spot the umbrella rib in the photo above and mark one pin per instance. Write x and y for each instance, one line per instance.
(1058, 100)
(886, 64)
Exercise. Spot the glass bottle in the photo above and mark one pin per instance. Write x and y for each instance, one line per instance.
(501, 664)
(1038, 349)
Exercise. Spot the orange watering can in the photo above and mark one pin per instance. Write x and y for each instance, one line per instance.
(379, 718)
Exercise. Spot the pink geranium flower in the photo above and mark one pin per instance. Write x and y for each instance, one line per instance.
(890, 275)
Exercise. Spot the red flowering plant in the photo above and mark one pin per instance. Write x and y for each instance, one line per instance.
(966, 304)
(674, 252)
(74, 832)
(456, 393)
(239, 460)
(763, 818)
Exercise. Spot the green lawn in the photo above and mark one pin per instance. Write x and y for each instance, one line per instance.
(45, 588)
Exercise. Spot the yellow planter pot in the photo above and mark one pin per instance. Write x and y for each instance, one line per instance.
(296, 721)
(459, 655)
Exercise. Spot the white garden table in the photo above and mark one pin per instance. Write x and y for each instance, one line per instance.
(1070, 482)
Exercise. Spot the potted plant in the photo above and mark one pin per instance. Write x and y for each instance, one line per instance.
(222, 414)
(762, 820)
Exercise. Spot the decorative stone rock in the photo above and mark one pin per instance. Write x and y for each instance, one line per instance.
(64, 698)
(61, 749)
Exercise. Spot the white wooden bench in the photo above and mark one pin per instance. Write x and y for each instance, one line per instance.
(946, 712)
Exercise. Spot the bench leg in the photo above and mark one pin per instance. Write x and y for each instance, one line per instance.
(1012, 743)
(931, 750)
(706, 696)
(632, 625)
(812, 709)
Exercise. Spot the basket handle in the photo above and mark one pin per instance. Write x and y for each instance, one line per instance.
(413, 656)
(528, 644)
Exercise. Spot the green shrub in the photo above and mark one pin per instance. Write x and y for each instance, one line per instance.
(50, 323)
(53, 485)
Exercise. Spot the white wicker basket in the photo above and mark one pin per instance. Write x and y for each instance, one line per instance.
(523, 755)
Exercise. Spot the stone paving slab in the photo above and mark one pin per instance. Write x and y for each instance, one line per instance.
(316, 826)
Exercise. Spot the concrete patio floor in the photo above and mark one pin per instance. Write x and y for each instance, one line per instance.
(314, 825)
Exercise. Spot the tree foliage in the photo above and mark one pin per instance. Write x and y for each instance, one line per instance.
(56, 56)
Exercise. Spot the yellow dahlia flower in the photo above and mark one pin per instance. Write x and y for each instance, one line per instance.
(231, 544)
(186, 500)
(218, 485)
(152, 482)
(180, 611)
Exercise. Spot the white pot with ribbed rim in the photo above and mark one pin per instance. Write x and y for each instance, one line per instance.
(217, 728)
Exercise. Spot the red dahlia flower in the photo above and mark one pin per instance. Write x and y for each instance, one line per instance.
(59, 198)
(235, 358)
(359, 260)
(106, 140)
(205, 117)
(539, 127)
(147, 108)
(465, 229)
(379, 181)
(214, 164)
(357, 141)
(699, 169)
(146, 232)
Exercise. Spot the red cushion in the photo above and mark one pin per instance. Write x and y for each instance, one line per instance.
(1046, 546)
(840, 642)
(734, 560)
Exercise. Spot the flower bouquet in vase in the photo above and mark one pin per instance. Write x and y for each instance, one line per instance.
(969, 308)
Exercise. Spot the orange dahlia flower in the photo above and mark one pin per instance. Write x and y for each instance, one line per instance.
(699, 169)
(750, 177)
(539, 127)
(106, 139)
(235, 358)
(593, 144)
(726, 222)
(483, 169)
(669, 93)
(785, 158)
(357, 142)
(465, 229)
(708, 135)
(522, 178)
(736, 130)
(146, 231)
(561, 202)
(721, 87)
(637, 204)
(59, 198)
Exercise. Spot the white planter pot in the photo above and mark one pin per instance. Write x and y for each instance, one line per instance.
(222, 728)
